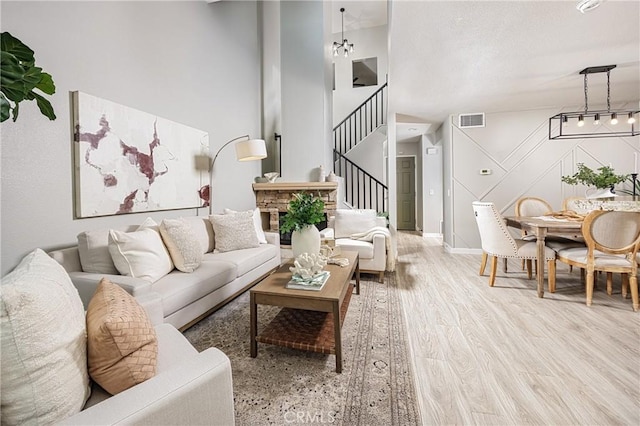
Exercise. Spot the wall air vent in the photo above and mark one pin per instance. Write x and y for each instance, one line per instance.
(471, 120)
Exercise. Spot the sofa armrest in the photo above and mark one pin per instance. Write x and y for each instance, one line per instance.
(379, 245)
(272, 238)
(69, 258)
(152, 303)
(198, 391)
(327, 233)
(87, 282)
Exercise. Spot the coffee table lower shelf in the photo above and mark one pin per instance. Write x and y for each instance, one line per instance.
(305, 330)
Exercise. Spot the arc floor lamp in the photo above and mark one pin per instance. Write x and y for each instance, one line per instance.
(247, 149)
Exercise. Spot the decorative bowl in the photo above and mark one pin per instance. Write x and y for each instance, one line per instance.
(271, 176)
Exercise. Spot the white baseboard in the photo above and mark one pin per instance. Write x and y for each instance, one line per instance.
(452, 250)
(432, 234)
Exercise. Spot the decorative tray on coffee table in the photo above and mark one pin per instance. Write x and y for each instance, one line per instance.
(314, 283)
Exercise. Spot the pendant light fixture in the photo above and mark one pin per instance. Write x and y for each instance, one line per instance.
(606, 123)
(344, 45)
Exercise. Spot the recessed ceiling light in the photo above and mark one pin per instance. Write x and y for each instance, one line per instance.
(587, 5)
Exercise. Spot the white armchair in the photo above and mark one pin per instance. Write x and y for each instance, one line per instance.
(362, 231)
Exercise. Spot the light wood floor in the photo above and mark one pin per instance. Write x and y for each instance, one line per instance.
(502, 356)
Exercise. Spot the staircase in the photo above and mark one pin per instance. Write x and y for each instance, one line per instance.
(362, 189)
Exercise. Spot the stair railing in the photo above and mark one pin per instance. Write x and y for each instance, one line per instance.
(367, 117)
(362, 190)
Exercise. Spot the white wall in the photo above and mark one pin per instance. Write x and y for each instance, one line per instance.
(369, 153)
(306, 89)
(190, 62)
(271, 81)
(524, 162)
(368, 43)
(432, 192)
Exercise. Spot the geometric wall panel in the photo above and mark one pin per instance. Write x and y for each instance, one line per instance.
(524, 162)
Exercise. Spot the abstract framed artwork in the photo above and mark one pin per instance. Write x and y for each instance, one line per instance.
(130, 161)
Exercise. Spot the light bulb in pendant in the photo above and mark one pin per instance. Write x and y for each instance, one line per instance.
(631, 119)
(614, 118)
(596, 119)
(580, 120)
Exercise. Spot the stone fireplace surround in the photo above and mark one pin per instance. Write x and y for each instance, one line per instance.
(273, 199)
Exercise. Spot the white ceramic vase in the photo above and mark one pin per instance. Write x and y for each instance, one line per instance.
(593, 193)
(307, 240)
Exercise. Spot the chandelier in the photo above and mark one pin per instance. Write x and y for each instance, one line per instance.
(594, 124)
(345, 45)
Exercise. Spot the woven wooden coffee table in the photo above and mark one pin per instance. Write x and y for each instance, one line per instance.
(306, 320)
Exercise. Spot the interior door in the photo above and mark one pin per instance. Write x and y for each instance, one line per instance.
(406, 192)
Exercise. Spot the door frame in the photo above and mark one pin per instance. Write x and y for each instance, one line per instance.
(415, 187)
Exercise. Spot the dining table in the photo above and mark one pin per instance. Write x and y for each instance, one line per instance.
(540, 227)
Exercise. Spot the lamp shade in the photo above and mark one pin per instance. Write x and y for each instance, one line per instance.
(251, 149)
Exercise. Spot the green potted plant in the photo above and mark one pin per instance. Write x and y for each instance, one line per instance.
(303, 213)
(603, 179)
(20, 78)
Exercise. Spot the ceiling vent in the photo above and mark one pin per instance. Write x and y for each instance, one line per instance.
(471, 120)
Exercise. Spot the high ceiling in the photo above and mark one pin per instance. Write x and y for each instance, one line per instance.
(464, 57)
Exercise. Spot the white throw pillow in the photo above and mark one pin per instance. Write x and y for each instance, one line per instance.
(234, 231)
(257, 223)
(348, 222)
(44, 344)
(93, 248)
(140, 254)
(182, 243)
(149, 223)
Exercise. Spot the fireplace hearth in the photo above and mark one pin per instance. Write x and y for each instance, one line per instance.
(273, 200)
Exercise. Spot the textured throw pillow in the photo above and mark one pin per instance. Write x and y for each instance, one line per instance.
(140, 254)
(44, 344)
(121, 342)
(182, 243)
(93, 248)
(234, 231)
(348, 222)
(203, 230)
(257, 223)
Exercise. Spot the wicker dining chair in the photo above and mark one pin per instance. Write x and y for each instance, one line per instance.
(613, 240)
(497, 242)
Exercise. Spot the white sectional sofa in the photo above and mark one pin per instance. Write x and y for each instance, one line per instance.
(46, 361)
(179, 298)
(189, 388)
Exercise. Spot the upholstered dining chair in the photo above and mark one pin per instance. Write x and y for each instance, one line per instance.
(534, 206)
(498, 242)
(573, 203)
(531, 206)
(613, 239)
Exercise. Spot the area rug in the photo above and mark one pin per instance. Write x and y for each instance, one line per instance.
(286, 386)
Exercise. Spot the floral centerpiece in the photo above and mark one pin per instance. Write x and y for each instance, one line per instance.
(603, 178)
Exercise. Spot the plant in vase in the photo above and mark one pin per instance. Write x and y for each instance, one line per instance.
(603, 179)
(303, 213)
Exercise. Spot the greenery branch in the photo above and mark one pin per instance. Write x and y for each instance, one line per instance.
(630, 191)
(20, 78)
(605, 177)
(304, 210)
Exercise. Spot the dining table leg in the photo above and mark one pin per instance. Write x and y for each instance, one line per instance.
(541, 233)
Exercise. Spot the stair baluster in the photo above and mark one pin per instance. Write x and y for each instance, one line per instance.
(366, 118)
